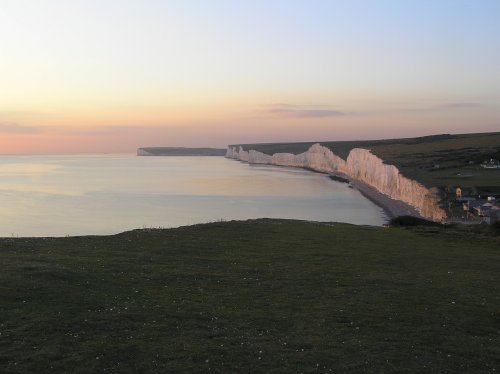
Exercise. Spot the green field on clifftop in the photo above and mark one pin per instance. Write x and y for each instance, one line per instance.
(256, 296)
(435, 161)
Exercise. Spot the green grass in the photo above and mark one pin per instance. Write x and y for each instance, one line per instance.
(256, 296)
(416, 157)
(458, 158)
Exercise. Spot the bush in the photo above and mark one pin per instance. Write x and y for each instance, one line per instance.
(409, 221)
(495, 228)
(339, 179)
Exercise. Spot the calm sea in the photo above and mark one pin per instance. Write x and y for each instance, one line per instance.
(106, 194)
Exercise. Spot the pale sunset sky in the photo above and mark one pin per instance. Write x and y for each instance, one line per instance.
(86, 76)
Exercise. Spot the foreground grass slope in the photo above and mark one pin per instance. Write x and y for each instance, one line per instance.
(255, 296)
(458, 157)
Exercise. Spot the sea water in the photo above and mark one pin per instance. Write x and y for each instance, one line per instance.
(107, 194)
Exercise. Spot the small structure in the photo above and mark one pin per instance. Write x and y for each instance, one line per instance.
(477, 207)
(494, 214)
(466, 199)
(486, 211)
(491, 164)
(482, 208)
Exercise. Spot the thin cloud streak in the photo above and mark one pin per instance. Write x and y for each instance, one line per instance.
(459, 105)
(302, 111)
(310, 111)
(14, 128)
(307, 113)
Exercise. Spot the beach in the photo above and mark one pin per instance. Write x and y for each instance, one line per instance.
(392, 207)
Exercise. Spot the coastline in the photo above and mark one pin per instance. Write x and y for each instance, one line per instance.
(391, 207)
(406, 196)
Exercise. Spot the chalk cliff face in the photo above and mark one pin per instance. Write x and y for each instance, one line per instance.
(361, 165)
(142, 152)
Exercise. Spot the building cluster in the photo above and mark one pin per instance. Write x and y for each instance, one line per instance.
(484, 209)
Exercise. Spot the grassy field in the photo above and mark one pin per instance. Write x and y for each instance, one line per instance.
(458, 157)
(255, 296)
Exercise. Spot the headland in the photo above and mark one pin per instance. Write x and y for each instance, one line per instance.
(180, 151)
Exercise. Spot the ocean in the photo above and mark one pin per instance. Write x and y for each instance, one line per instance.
(108, 194)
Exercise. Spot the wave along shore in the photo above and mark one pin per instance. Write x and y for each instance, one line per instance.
(367, 171)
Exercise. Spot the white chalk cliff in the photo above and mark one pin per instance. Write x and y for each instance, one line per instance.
(143, 152)
(361, 165)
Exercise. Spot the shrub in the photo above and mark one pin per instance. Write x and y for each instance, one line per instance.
(409, 221)
(495, 228)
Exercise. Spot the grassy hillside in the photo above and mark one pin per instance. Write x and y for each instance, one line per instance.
(458, 157)
(257, 296)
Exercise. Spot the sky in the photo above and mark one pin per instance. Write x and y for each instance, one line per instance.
(113, 75)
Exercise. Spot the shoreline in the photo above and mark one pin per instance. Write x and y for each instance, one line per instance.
(391, 207)
(400, 195)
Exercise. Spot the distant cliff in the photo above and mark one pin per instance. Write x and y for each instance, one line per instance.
(180, 151)
(361, 165)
